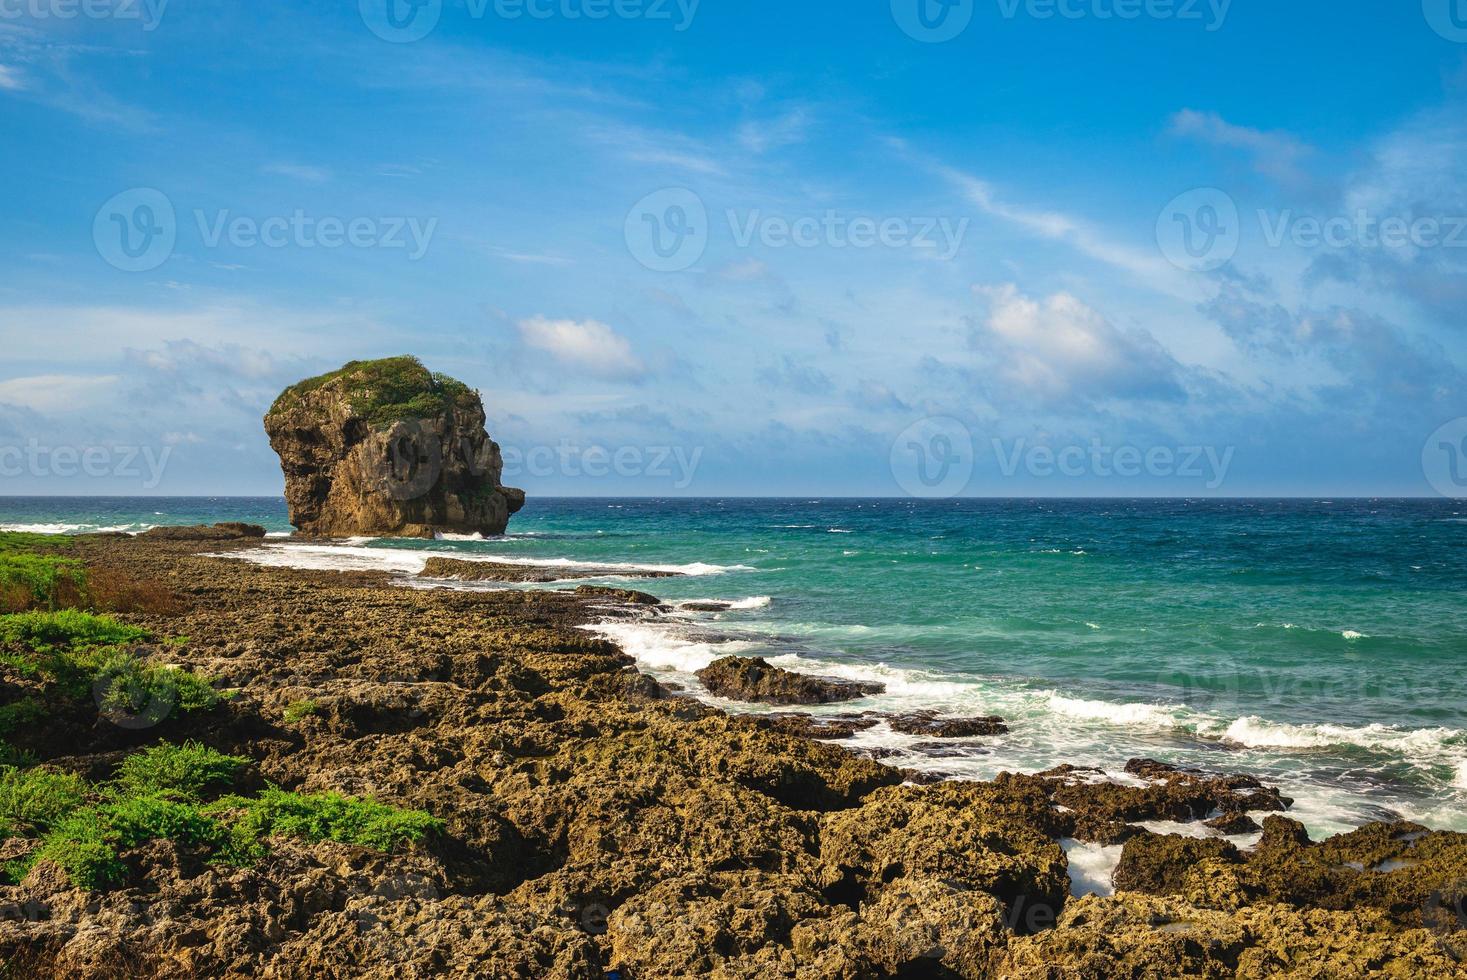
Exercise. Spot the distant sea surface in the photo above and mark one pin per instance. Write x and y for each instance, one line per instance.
(1321, 645)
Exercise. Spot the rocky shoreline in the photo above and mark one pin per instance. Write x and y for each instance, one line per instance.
(595, 821)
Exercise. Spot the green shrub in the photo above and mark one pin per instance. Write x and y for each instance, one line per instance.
(14, 757)
(40, 580)
(181, 771)
(20, 714)
(68, 629)
(300, 709)
(34, 799)
(133, 687)
(328, 816)
(385, 391)
(81, 844)
(156, 796)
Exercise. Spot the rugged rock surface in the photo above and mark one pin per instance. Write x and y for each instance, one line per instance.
(929, 724)
(485, 571)
(594, 823)
(388, 448)
(755, 679)
(227, 531)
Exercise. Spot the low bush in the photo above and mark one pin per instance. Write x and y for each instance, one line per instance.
(68, 629)
(327, 816)
(34, 799)
(127, 685)
(19, 714)
(162, 794)
(185, 771)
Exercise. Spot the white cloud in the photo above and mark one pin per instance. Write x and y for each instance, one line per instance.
(762, 136)
(587, 345)
(296, 171)
(1275, 154)
(10, 79)
(57, 392)
(1147, 265)
(1058, 349)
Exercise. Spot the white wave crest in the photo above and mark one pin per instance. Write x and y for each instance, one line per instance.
(76, 528)
(1152, 715)
(662, 649)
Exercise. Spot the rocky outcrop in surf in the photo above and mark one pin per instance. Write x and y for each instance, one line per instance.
(388, 448)
(754, 679)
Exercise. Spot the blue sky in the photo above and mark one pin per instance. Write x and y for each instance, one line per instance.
(871, 240)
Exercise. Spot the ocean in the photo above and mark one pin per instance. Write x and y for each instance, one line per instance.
(1319, 645)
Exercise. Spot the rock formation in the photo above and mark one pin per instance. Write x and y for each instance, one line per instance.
(388, 448)
(756, 680)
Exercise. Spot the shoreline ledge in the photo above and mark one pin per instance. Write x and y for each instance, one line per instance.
(583, 818)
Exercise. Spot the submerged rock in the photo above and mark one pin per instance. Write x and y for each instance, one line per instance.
(631, 596)
(929, 724)
(819, 726)
(388, 448)
(485, 571)
(227, 531)
(755, 679)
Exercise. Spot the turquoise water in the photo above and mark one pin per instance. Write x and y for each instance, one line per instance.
(1319, 644)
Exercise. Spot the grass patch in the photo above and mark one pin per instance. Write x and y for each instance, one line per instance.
(184, 771)
(132, 687)
(297, 710)
(163, 793)
(328, 816)
(384, 391)
(35, 581)
(68, 629)
(19, 714)
(34, 799)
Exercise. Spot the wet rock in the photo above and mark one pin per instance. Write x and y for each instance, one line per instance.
(485, 571)
(929, 724)
(387, 448)
(818, 726)
(631, 596)
(1234, 824)
(228, 531)
(754, 679)
(705, 606)
(1159, 863)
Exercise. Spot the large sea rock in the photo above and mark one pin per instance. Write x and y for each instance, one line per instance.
(388, 448)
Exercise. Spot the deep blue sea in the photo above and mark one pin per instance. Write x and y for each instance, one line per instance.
(1318, 644)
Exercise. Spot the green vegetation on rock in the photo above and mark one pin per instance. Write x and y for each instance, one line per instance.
(76, 655)
(68, 629)
(328, 816)
(34, 799)
(163, 793)
(34, 571)
(186, 771)
(297, 710)
(384, 391)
